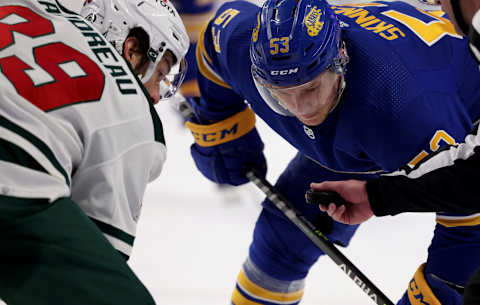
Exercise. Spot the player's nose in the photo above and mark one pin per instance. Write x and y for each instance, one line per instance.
(155, 96)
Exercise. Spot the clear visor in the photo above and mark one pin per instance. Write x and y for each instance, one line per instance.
(162, 78)
(326, 88)
(266, 95)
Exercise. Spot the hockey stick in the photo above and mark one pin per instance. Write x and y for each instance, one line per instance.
(315, 235)
(320, 240)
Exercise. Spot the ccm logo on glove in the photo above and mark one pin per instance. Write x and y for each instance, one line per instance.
(224, 131)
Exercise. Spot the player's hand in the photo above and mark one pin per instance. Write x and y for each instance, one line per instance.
(357, 209)
(228, 163)
(225, 150)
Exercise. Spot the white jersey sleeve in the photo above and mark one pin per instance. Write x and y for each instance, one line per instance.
(74, 120)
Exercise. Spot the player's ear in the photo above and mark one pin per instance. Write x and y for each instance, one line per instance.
(131, 52)
(130, 48)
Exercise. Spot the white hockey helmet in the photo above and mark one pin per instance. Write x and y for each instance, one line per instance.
(158, 18)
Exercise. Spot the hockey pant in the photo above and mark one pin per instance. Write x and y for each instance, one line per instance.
(51, 253)
(280, 255)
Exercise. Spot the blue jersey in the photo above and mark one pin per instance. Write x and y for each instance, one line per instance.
(411, 86)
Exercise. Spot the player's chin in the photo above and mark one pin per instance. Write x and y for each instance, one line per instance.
(312, 120)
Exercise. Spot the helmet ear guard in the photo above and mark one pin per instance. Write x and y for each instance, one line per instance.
(340, 62)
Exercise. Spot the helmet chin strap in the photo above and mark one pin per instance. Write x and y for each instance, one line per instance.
(341, 68)
(341, 88)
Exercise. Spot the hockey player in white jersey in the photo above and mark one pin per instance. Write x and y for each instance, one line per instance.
(79, 141)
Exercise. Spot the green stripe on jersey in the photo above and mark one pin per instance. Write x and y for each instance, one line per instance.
(4, 122)
(10, 152)
(115, 232)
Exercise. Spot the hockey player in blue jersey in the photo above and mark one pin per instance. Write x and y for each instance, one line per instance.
(358, 90)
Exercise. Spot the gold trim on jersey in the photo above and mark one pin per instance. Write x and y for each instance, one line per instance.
(419, 292)
(459, 221)
(190, 88)
(204, 61)
(261, 293)
(344, 172)
(224, 131)
(201, 41)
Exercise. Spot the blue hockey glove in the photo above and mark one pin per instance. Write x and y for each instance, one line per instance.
(225, 150)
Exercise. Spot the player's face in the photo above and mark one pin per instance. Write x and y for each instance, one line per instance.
(161, 78)
(153, 83)
(310, 102)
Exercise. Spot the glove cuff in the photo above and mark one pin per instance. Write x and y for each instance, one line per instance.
(224, 131)
(419, 291)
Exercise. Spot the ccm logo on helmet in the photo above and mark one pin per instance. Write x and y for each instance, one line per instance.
(284, 72)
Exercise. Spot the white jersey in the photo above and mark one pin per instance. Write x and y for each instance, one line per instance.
(74, 120)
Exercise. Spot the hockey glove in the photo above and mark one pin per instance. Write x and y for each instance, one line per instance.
(430, 289)
(225, 150)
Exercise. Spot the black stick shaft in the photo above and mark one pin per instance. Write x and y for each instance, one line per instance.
(319, 239)
(315, 235)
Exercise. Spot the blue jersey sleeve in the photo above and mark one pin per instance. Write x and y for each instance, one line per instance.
(217, 62)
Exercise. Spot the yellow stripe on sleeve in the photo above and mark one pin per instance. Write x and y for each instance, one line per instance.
(201, 41)
(239, 299)
(190, 88)
(459, 221)
(203, 61)
(262, 293)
